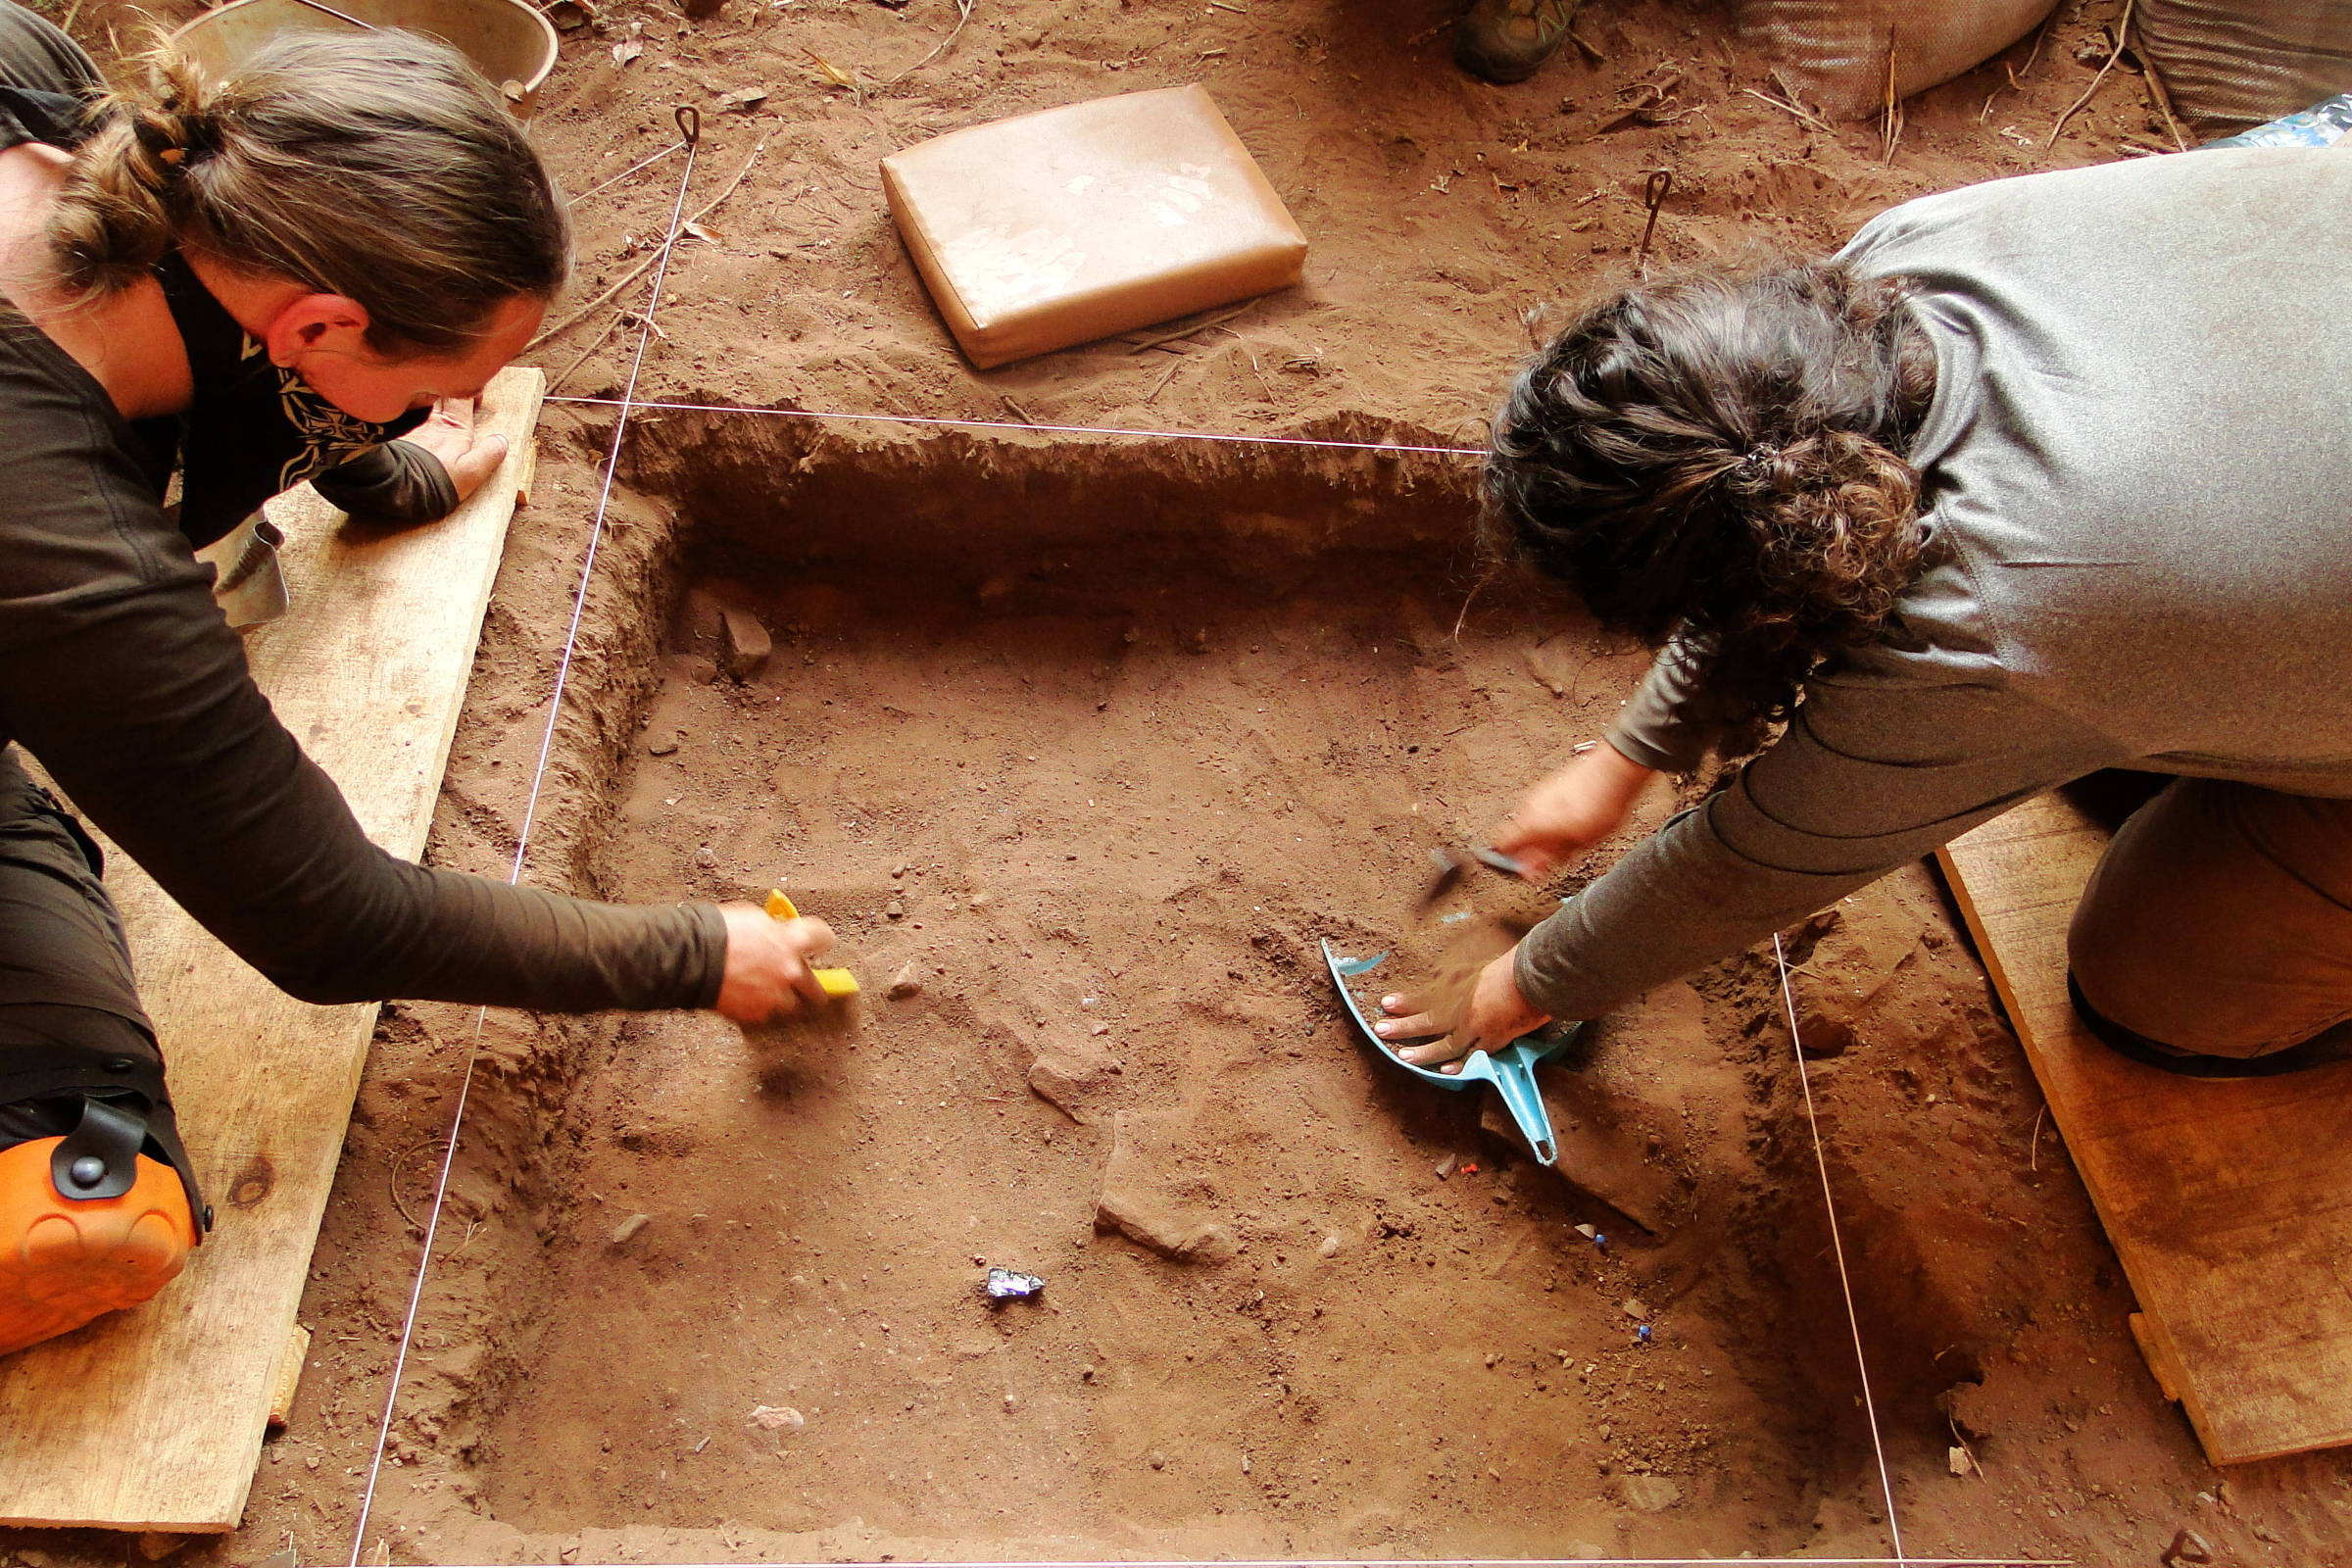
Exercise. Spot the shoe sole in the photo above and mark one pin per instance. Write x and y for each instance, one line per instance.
(65, 1261)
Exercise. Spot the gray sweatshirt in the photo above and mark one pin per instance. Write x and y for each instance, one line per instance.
(2138, 469)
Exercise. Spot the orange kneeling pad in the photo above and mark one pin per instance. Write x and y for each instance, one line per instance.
(1072, 223)
(64, 1261)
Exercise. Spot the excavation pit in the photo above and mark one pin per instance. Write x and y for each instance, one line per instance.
(1081, 753)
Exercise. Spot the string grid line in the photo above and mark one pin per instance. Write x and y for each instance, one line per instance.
(690, 129)
(1846, 1285)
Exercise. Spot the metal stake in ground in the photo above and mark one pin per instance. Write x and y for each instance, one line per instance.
(690, 127)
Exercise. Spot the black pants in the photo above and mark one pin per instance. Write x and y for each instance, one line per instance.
(71, 1025)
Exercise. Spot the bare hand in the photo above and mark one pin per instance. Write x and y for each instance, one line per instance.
(767, 975)
(1496, 1015)
(1560, 819)
(469, 454)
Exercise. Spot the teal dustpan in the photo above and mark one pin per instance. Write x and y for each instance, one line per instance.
(1511, 1070)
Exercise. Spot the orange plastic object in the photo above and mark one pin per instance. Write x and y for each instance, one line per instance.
(1072, 223)
(64, 1261)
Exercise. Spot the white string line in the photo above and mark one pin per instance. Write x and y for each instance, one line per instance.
(1853, 1320)
(522, 844)
(630, 401)
(642, 163)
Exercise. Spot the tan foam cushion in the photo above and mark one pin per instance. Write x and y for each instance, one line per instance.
(1072, 223)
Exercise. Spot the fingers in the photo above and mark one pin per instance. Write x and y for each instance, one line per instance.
(469, 469)
(1413, 1027)
(456, 410)
(1445, 1054)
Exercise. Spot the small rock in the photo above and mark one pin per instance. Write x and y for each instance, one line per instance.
(700, 671)
(1157, 1461)
(707, 857)
(907, 982)
(894, 909)
(1086, 1374)
(2187, 1547)
(630, 1227)
(897, 871)
(777, 1418)
(1011, 1404)
(662, 747)
(1648, 1494)
(1445, 1166)
(1634, 1309)
(1076, 1082)
(744, 642)
(743, 100)
(571, 15)
(1960, 1460)
(1330, 1247)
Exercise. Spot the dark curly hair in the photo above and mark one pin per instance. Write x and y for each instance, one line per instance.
(1721, 457)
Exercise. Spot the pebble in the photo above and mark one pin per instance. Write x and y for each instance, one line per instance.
(630, 1227)
(1330, 1247)
(896, 909)
(1157, 1461)
(1634, 1309)
(777, 1418)
(662, 747)
(906, 983)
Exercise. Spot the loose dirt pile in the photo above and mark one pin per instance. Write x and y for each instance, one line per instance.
(1083, 744)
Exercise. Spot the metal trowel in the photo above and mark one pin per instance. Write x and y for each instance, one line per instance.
(1511, 1070)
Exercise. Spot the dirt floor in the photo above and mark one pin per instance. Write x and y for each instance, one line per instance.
(1084, 744)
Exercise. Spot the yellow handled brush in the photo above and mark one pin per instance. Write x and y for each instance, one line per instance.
(837, 983)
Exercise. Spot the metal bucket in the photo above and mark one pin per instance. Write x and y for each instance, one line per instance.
(508, 41)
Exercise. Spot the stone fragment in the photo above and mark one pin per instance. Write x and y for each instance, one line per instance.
(907, 982)
(1078, 1082)
(628, 1228)
(1133, 1202)
(744, 643)
(776, 1418)
(1647, 1493)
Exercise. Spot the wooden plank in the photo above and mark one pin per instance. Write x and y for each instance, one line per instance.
(2229, 1202)
(153, 1419)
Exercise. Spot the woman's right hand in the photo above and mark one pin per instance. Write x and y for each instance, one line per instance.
(1560, 819)
(767, 974)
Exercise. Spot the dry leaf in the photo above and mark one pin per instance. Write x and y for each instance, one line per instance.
(833, 73)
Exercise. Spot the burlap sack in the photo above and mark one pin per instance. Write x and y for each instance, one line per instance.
(2231, 64)
(1836, 51)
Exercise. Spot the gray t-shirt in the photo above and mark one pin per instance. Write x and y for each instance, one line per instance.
(2139, 493)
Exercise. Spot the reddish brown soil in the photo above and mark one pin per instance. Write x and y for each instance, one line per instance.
(1119, 729)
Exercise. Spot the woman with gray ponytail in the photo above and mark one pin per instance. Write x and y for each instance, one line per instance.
(2033, 479)
(301, 269)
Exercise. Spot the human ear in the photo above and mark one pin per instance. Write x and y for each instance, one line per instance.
(312, 323)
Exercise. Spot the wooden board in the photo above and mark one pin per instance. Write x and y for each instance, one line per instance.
(2230, 1201)
(152, 1419)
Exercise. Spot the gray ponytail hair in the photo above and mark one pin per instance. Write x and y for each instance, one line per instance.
(379, 165)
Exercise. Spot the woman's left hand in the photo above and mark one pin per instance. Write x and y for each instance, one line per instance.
(469, 454)
(1495, 1015)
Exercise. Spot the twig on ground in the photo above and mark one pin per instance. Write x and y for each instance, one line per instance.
(646, 266)
(2164, 99)
(1798, 109)
(2122, 29)
(1187, 332)
(590, 352)
(2034, 1149)
(1163, 381)
(963, 14)
(1891, 129)
(1019, 413)
(1592, 55)
(838, 76)
(2017, 74)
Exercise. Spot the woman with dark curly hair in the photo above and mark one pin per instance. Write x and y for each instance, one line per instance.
(2033, 479)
